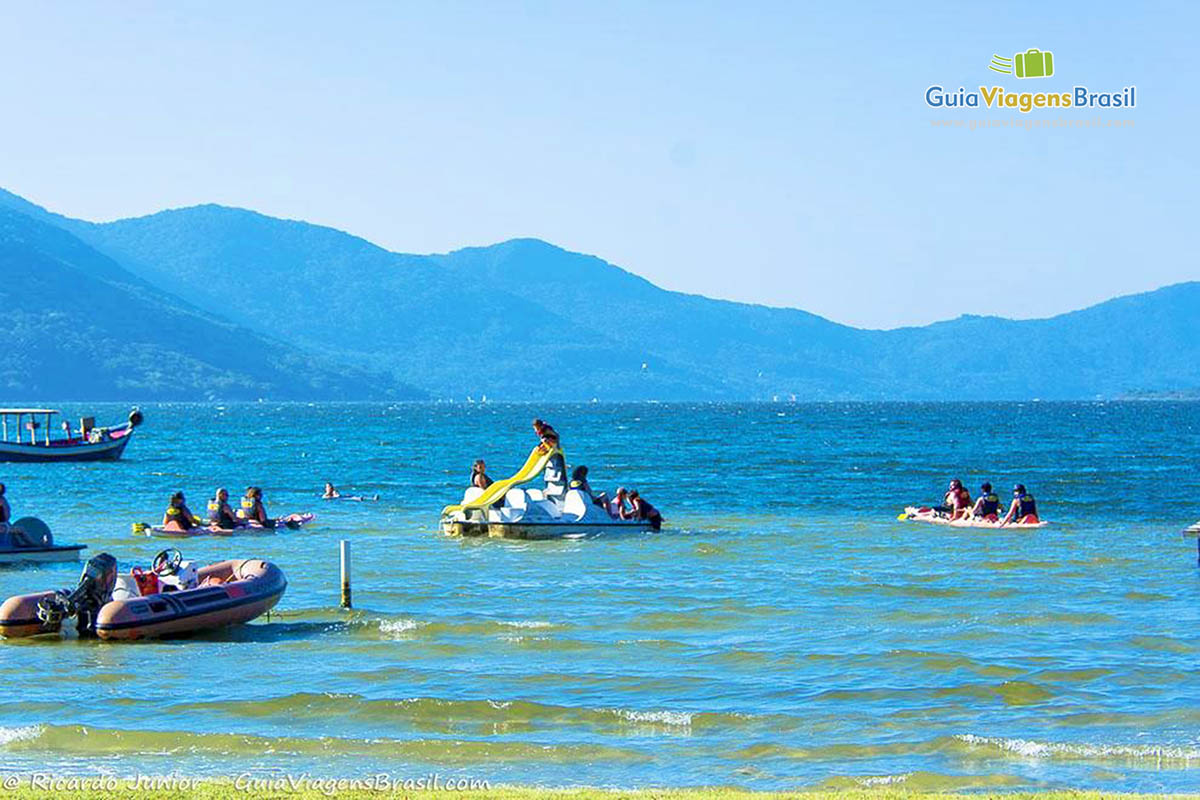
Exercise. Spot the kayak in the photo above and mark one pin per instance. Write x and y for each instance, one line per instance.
(172, 598)
(290, 522)
(916, 514)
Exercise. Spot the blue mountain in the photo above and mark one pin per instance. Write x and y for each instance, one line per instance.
(79, 326)
(525, 320)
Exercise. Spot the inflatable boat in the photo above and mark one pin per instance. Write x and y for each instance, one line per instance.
(29, 539)
(172, 598)
(915, 514)
(291, 522)
(508, 510)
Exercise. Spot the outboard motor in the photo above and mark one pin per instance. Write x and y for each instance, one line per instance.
(84, 603)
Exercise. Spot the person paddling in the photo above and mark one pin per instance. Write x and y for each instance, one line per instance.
(1023, 508)
(956, 503)
(220, 513)
(178, 516)
(988, 505)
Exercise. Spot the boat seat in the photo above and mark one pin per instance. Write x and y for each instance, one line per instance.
(470, 494)
(535, 494)
(575, 505)
(516, 499)
(125, 588)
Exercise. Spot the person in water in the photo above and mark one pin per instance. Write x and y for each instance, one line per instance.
(616, 506)
(988, 505)
(220, 513)
(331, 492)
(178, 515)
(644, 511)
(579, 480)
(1023, 509)
(956, 503)
(479, 476)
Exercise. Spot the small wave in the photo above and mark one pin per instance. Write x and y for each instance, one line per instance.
(79, 740)
(539, 624)
(10, 735)
(680, 719)
(1027, 748)
(392, 627)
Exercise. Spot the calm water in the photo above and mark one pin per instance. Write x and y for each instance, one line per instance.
(784, 630)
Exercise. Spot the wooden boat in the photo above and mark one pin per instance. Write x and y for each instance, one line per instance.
(179, 599)
(29, 539)
(88, 443)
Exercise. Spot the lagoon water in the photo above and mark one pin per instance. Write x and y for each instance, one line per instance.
(784, 630)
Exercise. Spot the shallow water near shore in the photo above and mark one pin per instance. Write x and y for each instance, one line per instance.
(783, 630)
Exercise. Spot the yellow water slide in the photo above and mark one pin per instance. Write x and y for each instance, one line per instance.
(539, 457)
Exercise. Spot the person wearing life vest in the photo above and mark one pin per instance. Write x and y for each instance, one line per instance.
(252, 509)
(178, 516)
(1023, 509)
(988, 505)
(579, 480)
(220, 513)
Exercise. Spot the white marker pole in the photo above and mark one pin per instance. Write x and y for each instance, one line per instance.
(345, 574)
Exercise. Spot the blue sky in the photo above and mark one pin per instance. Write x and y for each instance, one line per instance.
(778, 153)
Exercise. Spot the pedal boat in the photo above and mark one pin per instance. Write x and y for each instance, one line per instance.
(243, 590)
(536, 514)
(507, 510)
(89, 443)
(29, 539)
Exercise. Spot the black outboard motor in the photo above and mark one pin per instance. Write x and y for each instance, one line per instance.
(94, 590)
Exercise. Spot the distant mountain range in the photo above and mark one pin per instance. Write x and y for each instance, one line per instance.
(223, 303)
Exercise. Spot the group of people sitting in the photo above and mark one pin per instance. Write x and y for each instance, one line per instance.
(220, 514)
(957, 504)
(626, 505)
